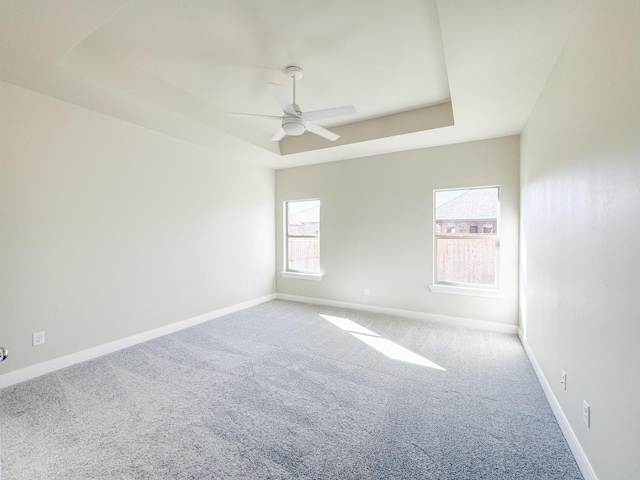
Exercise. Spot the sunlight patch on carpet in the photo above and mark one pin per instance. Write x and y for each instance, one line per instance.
(382, 345)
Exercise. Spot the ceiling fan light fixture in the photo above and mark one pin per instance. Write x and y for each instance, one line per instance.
(294, 126)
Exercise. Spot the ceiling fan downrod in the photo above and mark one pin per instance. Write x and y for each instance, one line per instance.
(294, 73)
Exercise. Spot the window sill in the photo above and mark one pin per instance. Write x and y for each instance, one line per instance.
(473, 292)
(303, 276)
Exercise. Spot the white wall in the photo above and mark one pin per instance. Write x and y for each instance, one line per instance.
(377, 226)
(109, 229)
(581, 233)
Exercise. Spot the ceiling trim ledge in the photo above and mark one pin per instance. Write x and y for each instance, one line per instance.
(412, 121)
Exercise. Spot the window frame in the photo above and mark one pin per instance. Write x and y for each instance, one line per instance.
(464, 288)
(295, 273)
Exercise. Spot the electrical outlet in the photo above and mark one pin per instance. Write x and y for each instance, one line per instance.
(366, 292)
(586, 413)
(563, 379)
(38, 338)
(248, 288)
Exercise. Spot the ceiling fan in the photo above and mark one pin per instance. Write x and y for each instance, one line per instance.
(294, 121)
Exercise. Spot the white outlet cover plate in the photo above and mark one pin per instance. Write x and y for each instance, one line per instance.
(586, 413)
(38, 338)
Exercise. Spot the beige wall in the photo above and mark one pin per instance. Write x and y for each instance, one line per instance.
(109, 229)
(581, 233)
(377, 226)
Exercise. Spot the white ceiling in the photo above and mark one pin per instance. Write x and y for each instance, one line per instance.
(177, 66)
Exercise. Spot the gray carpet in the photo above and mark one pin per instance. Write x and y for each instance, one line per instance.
(279, 392)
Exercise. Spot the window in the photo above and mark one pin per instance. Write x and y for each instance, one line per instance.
(466, 259)
(302, 236)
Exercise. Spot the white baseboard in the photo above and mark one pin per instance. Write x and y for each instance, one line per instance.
(33, 371)
(581, 458)
(432, 317)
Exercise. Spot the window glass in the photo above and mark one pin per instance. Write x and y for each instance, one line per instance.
(465, 254)
(303, 236)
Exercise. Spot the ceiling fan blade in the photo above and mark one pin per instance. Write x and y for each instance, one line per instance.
(281, 97)
(238, 114)
(329, 113)
(278, 136)
(322, 132)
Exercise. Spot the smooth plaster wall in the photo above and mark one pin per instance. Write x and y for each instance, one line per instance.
(581, 233)
(108, 229)
(376, 227)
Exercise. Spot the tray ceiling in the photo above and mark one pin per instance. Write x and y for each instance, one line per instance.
(419, 72)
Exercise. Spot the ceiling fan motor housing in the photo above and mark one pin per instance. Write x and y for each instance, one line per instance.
(293, 125)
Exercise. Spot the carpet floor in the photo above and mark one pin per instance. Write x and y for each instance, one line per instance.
(287, 390)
